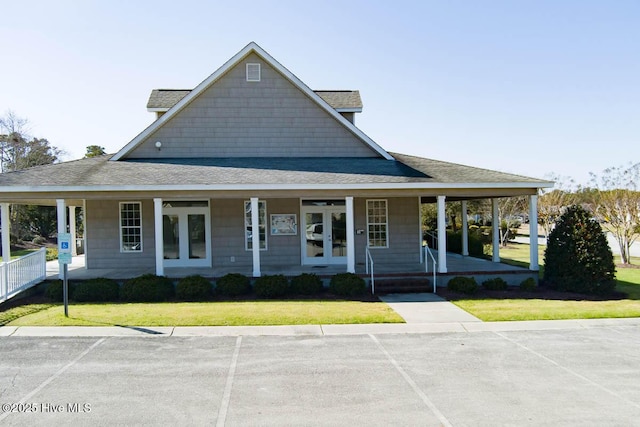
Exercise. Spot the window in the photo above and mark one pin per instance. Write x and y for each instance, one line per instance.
(130, 227)
(253, 72)
(262, 226)
(377, 224)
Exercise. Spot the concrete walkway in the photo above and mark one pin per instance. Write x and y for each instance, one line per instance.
(427, 308)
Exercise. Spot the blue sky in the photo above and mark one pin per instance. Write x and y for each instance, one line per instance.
(528, 87)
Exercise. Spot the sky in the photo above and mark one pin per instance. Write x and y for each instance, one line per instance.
(528, 87)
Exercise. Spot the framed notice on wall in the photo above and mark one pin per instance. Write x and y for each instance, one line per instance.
(284, 225)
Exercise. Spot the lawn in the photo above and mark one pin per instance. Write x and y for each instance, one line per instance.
(550, 307)
(304, 312)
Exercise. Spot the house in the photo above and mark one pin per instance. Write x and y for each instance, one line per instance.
(253, 171)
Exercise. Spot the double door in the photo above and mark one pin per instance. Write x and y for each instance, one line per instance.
(186, 236)
(324, 237)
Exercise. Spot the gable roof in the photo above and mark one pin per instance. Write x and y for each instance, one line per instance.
(235, 60)
(343, 101)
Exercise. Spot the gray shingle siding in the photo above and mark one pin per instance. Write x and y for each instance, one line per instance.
(236, 118)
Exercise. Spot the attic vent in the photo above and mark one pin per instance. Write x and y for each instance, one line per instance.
(253, 72)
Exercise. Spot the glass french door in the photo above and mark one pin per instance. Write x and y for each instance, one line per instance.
(186, 236)
(325, 237)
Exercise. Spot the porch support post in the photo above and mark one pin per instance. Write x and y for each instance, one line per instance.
(62, 225)
(158, 236)
(72, 230)
(533, 233)
(351, 248)
(495, 224)
(255, 235)
(6, 248)
(6, 230)
(442, 236)
(465, 229)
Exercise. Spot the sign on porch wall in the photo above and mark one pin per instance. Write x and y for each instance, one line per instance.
(284, 225)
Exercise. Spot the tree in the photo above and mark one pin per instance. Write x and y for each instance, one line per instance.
(552, 203)
(577, 257)
(509, 208)
(94, 151)
(19, 151)
(617, 204)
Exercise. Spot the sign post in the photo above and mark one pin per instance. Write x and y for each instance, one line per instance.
(64, 259)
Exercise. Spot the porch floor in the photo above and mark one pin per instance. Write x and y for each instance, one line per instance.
(456, 265)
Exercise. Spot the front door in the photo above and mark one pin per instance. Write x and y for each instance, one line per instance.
(324, 237)
(186, 235)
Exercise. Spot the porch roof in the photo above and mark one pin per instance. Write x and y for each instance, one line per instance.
(100, 174)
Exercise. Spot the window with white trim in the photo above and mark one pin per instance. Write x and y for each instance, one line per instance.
(253, 72)
(262, 226)
(130, 227)
(377, 223)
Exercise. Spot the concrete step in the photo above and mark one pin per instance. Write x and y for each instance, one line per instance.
(402, 285)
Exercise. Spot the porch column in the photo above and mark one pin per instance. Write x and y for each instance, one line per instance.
(495, 224)
(158, 236)
(72, 230)
(62, 224)
(6, 233)
(255, 235)
(351, 247)
(533, 233)
(465, 229)
(6, 247)
(442, 236)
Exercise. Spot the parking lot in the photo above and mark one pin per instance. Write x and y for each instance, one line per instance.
(587, 376)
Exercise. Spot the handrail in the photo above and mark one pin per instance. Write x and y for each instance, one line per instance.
(426, 265)
(434, 237)
(370, 260)
(22, 273)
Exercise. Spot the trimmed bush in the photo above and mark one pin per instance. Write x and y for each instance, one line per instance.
(463, 285)
(476, 244)
(55, 291)
(147, 288)
(528, 285)
(306, 284)
(578, 257)
(194, 288)
(347, 284)
(271, 286)
(233, 284)
(96, 290)
(51, 254)
(497, 284)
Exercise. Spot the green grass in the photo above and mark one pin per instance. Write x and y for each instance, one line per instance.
(21, 252)
(14, 313)
(552, 309)
(214, 314)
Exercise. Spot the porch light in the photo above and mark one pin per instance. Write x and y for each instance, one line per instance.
(158, 145)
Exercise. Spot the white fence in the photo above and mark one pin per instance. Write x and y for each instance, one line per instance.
(22, 273)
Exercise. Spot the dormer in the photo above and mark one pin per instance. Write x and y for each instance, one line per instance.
(345, 102)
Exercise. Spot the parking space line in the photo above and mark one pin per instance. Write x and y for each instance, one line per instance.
(570, 371)
(226, 397)
(56, 375)
(412, 384)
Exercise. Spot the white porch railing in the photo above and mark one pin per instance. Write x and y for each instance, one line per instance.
(369, 260)
(428, 254)
(22, 273)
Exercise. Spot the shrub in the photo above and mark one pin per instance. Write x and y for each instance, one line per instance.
(96, 290)
(306, 284)
(193, 288)
(463, 284)
(577, 257)
(147, 288)
(347, 284)
(54, 290)
(39, 240)
(497, 284)
(233, 284)
(51, 254)
(528, 285)
(271, 286)
(476, 245)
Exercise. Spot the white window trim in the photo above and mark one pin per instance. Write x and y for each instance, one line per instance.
(255, 67)
(266, 224)
(386, 223)
(120, 226)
